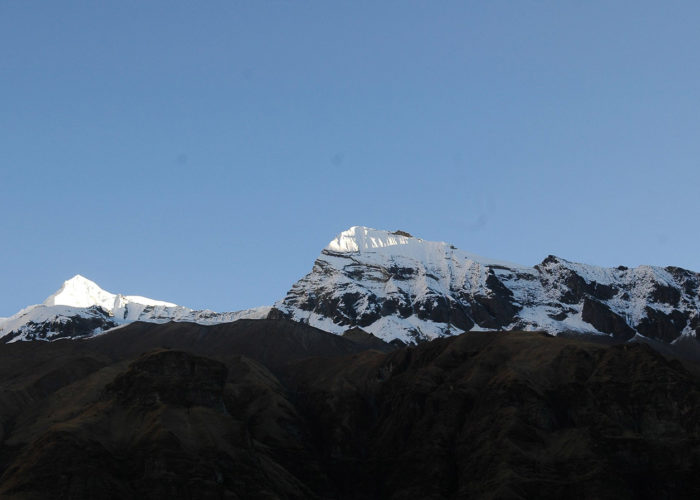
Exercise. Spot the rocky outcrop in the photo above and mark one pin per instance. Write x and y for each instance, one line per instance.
(87, 322)
(603, 319)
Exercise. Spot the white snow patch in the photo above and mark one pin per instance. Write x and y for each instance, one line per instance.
(363, 240)
(81, 292)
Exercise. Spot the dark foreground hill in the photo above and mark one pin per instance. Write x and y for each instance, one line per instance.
(276, 409)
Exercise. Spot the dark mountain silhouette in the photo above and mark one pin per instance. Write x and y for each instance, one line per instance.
(277, 409)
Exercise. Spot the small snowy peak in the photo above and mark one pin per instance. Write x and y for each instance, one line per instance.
(82, 292)
(80, 308)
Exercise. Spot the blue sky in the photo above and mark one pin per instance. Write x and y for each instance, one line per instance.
(204, 152)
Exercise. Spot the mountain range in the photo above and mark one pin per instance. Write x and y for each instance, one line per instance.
(80, 308)
(397, 368)
(402, 288)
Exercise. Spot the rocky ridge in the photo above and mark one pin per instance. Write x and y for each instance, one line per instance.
(394, 285)
(80, 308)
(405, 289)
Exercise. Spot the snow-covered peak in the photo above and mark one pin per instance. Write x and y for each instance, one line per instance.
(394, 285)
(80, 308)
(363, 239)
(401, 245)
(82, 292)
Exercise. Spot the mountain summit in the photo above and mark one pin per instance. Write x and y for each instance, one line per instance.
(399, 245)
(81, 292)
(398, 286)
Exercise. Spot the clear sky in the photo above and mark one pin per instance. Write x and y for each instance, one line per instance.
(205, 152)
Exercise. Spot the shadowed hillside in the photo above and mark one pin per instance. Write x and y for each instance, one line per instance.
(276, 409)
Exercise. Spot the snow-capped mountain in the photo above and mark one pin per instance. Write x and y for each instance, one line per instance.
(396, 286)
(81, 308)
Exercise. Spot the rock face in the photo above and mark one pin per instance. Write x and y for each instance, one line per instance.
(394, 285)
(54, 322)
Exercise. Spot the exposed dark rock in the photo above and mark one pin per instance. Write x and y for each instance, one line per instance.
(390, 307)
(367, 340)
(561, 315)
(603, 319)
(343, 311)
(491, 311)
(495, 310)
(665, 294)
(576, 288)
(356, 272)
(434, 308)
(550, 259)
(603, 292)
(459, 316)
(401, 273)
(277, 314)
(77, 326)
(687, 279)
(661, 326)
(695, 325)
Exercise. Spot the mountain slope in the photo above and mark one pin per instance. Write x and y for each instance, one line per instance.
(81, 308)
(397, 286)
(277, 409)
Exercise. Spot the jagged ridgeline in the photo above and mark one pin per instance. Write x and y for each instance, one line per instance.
(397, 286)
(80, 308)
(400, 287)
